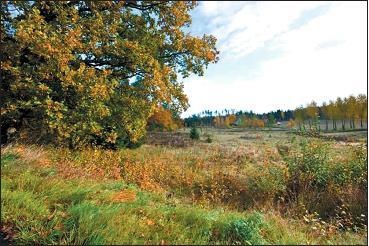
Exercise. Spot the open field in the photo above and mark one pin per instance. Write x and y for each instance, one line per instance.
(103, 112)
(242, 136)
(238, 189)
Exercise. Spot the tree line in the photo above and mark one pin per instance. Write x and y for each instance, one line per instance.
(228, 117)
(343, 113)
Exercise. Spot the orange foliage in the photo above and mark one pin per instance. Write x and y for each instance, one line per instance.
(258, 123)
(71, 97)
(231, 119)
(150, 222)
(162, 119)
(291, 123)
(224, 121)
(217, 121)
(199, 178)
(253, 122)
(124, 196)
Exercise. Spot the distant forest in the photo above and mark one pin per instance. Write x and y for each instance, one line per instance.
(343, 113)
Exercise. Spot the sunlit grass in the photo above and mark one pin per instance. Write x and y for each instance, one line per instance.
(205, 194)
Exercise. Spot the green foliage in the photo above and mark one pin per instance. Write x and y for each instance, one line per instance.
(81, 212)
(194, 133)
(7, 159)
(209, 138)
(312, 166)
(265, 183)
(271, 120)
(358, 166)
(92, 73)
(320, 184)
(245, 231)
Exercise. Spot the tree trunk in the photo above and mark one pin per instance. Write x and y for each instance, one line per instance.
(326, 125)
(4, 134)
(343, 124)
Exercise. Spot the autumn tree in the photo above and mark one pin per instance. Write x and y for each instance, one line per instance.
(325, 114)
(331, 113)
(86, 72)
(299, 115)
(231, 119)
(257, 123)
(162, 119)
(291, 123)
(217, 121)
(362, 108)
(312, 113)
(352, 112)
(340, 111)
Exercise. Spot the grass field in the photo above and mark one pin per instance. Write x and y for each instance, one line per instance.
(245, 187)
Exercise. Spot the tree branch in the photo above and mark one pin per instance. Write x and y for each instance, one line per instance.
(142, 7)
(174, 54)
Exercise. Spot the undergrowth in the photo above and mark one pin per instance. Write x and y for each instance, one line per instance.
(159, 196)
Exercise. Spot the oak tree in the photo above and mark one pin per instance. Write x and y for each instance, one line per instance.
(91, 72)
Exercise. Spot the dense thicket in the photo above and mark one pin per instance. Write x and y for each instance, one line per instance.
(87, 72)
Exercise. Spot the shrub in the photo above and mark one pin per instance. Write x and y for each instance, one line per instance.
(308, 167)
(320, 183)
(245, 231)
(194, 133)
(209, 138)
(358, 167)
(265, 183)
(126, 143)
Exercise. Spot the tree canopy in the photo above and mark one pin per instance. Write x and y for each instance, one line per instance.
(86, 72)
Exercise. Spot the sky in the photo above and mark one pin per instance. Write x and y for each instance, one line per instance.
(279, 55)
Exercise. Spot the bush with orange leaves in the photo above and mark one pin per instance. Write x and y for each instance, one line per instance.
(162, 120)
(252, 122)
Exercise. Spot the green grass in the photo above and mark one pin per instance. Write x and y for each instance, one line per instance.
(43, 208)
(51, 211)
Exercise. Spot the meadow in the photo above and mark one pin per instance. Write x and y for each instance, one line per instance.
(242, 187)
(94, 148)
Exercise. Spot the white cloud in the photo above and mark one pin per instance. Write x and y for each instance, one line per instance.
(217, 8)
(241, 29)
(321, 59)
(209, 8)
